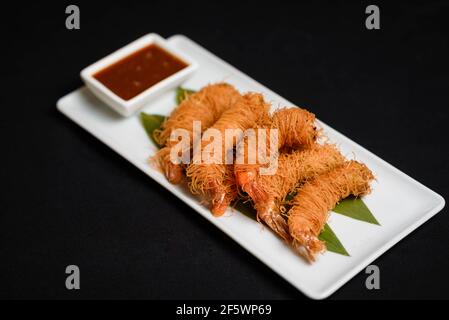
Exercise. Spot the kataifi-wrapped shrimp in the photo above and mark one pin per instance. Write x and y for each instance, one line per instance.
(205, 106)
(268, 192)
(296, 126)
(313, 201)
(295, 130)
(210, 174)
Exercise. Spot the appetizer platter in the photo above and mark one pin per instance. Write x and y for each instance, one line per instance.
(307, 201)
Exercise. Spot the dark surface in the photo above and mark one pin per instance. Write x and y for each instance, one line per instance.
(68, 199)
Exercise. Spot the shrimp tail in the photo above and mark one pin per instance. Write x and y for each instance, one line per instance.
(308, 246)
(221, 202)
(273, 218)
(174, 172)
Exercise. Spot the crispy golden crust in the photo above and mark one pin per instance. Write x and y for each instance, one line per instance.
(296, 127)
(297, 167)
(205, 106)
(295, 130)
(217, 180)
(268, 192)
(314, 200)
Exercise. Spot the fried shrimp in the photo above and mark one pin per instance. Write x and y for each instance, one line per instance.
(223, 194)
(295, 130)
(296, 127)
(314, 200)
(209, 174)
(268, 192)
(205, 106)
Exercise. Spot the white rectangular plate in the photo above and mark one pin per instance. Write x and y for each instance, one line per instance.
(399, 203)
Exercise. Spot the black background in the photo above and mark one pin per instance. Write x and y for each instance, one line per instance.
(68, 199)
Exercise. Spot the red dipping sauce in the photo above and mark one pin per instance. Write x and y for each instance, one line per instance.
(139, 71)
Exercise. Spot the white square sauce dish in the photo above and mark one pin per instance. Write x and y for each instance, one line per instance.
(132, 76)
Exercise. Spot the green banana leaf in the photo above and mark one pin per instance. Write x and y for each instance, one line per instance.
(151, 122)
(355, 208)
(182, 94)
(333, 244)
